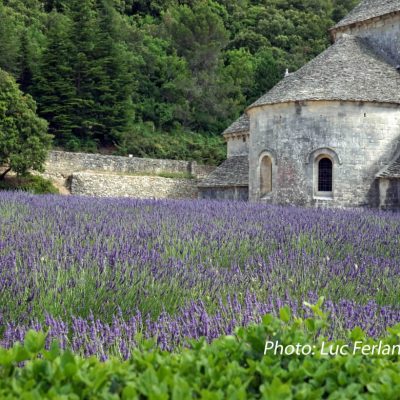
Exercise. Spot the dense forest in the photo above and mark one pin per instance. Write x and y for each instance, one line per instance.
(159, 78)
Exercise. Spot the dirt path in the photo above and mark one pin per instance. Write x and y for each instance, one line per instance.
(60, 186)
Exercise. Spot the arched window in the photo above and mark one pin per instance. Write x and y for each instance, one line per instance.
(325, 175)
(265, 175)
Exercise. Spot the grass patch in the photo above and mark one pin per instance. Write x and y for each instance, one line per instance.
(169, 175)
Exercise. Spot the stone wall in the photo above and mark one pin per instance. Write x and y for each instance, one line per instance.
(361, 138)
(224, 193)
(63, 164)
(389, 194)
(237, 144)
(110, 185)
(114, 176)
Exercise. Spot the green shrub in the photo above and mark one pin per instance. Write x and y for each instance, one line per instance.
(231, 367)
(145, 141)
(30, 183)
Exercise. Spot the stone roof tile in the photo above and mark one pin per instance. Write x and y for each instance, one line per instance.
(232, 172)
(242, 124)
(349, 70)
(391, 171)
(368, 9)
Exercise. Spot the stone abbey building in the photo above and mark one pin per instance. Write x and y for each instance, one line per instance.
(329, 133)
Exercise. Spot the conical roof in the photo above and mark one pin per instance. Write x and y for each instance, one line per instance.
(368, 9)
(349, 70)
(234, 171)
(242, 124)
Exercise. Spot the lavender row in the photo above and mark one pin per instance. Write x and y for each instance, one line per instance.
(107, 260)
(93, 337)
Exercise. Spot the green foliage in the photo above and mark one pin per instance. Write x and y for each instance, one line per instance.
(9, 44)
(29, 183)
(23, 135)
(54, 86)
(198, 35)
(98, 69)
(84, 86)
(144, 141)
(163, 77)
(233, 367)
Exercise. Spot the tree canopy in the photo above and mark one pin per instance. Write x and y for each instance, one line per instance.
(23, 135)
(156, 78)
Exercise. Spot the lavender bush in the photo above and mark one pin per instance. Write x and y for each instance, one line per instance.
(102, 274)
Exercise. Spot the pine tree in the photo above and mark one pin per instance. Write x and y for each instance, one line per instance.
(54, 86)
(113, 82)
(83, 36)
(103, 85)
(199, 35)
(25, 79)
(10, 28)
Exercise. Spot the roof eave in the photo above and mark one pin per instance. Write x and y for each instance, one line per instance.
(353, 24)
(385, 169)
(390, 177)
(322, 99)
(238, 133)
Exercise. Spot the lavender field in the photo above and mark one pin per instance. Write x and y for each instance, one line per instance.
(103, 274)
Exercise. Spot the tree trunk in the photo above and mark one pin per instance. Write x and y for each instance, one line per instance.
(2, 176)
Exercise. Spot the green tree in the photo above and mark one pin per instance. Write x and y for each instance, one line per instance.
(164, 76)
(24, 141)
(54, 86)
(269, 70)
(10, 31)
(172, 68)
(54, 5)
(99, 61)
(342, 7)
(111, 74)
(82, 37)
(198, 34)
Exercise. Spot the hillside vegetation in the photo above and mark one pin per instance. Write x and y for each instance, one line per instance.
(156, 78)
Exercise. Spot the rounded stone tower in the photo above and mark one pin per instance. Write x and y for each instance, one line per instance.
(323, 133)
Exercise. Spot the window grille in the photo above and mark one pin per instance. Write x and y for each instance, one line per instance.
(325, 168)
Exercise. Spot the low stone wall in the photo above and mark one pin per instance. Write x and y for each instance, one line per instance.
(115, 176)
(110, 185)
(237, 193)
(63, 164)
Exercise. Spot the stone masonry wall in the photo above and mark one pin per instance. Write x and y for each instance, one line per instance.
(365, 138)
(114, 176)
(224, 193)
(110, 185)
(237, 145)
(64, 164)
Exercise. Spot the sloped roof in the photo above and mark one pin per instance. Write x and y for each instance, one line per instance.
(232, 172)
(391, 171)
(242, 124)
(368, 9)
(349, 70)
